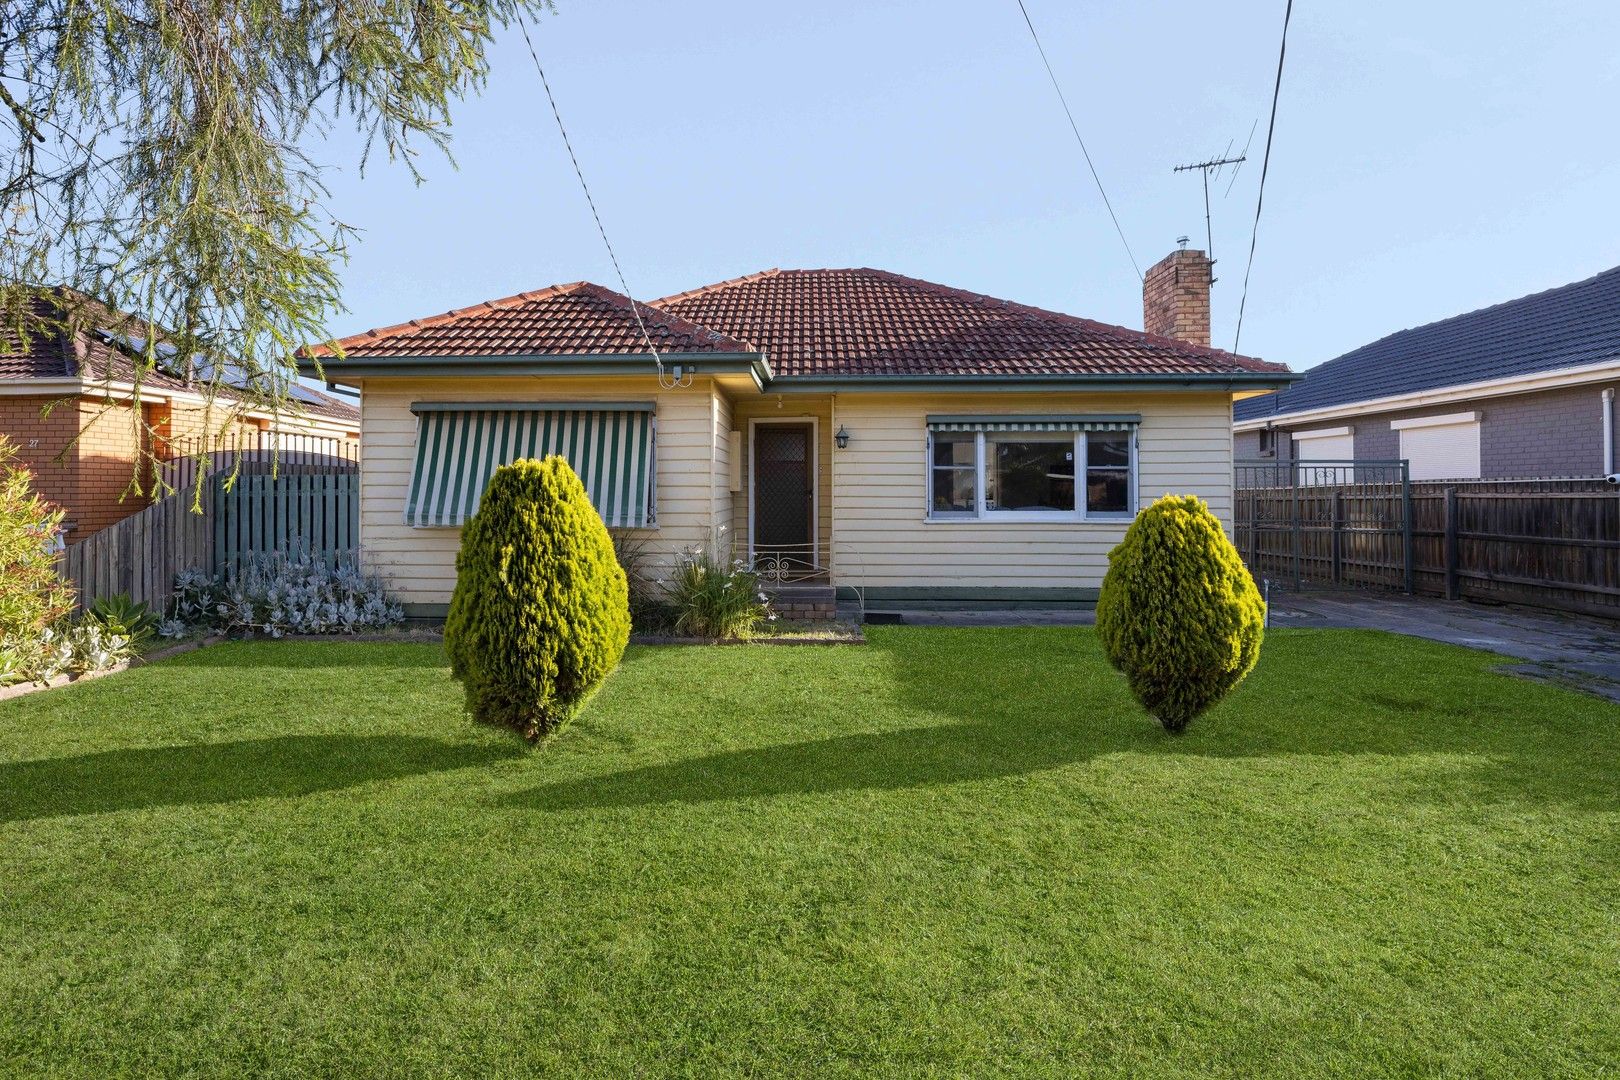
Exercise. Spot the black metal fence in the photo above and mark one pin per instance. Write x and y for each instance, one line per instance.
(1326, 522)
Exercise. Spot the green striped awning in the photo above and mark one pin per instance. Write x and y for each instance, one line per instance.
(1088, 422)
(459, 447)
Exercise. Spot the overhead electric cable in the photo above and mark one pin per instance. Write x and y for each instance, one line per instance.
(1265, 164)
(1076, 129)
(586, 188)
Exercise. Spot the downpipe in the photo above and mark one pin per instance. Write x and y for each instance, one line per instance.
(1609, 473)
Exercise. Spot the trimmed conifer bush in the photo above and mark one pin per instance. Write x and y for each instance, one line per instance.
(541, 612)
(1179, 613)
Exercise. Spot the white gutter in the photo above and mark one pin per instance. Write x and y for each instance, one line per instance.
(1608, 431)
(1518, 384)
(38, 387)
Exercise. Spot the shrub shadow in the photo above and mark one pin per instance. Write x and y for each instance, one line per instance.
(1025, 702)
(208, 773)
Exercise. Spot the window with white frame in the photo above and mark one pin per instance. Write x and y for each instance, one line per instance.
(1441, 447)
(1032, 469)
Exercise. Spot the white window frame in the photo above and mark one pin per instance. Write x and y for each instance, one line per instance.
(1082, 465)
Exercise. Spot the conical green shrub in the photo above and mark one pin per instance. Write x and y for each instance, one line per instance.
(541, 611)
(1179, 613)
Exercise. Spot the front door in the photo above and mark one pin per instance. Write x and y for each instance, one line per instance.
(784, 499)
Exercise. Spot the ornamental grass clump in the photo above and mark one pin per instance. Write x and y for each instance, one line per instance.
(716, 596)
(1179, 613)
(540, 612)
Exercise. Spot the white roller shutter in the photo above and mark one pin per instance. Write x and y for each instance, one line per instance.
(1324, 444)
(1441, 447)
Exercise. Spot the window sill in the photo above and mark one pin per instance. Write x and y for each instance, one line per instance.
(1029, 518)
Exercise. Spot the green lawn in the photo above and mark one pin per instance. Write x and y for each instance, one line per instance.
(946, 853)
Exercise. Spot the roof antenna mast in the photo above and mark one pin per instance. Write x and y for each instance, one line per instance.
(1206, 167)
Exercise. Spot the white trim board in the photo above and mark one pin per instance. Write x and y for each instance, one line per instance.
(1434, 421)
(1607, 371)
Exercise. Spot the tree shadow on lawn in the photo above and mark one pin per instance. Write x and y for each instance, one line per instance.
(1029, 702)
(207, 773)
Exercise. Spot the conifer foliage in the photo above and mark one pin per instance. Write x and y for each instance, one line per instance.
(1179, 613)
(540, 613)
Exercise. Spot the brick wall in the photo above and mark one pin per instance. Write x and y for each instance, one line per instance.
(1545, 434)
(1175, 296)
(1246, 446)
(41, 442)
(108, 454)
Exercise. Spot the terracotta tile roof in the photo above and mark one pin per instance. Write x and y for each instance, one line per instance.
(865, 322)
(62, 335)
(580, 319)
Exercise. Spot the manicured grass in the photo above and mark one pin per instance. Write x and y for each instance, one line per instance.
(946, 853)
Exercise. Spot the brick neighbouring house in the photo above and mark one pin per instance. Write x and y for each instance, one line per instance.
(68, 405)
(1522, 389)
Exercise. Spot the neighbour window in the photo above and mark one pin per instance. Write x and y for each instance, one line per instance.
(1268, 442)
(1013, 469)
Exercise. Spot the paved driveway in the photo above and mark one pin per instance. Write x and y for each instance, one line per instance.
(1570, 649)
(1582, 653)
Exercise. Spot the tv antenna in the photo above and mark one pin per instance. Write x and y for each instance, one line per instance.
(1213, 165)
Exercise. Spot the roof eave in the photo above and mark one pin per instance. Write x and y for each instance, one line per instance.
(1014, 383)
(457, 367)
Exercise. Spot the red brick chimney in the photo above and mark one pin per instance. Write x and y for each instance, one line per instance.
(1175, 296)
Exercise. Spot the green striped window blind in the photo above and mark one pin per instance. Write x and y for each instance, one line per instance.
(459, 446)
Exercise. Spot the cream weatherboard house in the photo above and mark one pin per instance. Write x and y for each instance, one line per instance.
(905, 442)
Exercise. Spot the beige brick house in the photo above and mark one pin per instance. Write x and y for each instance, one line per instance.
(851, 429)
(68, 403)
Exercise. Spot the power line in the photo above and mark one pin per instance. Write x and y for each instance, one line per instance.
(586, 188)
(1076, 129)
(1265, 164)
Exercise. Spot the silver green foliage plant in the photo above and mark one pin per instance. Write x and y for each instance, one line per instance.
(282, 594)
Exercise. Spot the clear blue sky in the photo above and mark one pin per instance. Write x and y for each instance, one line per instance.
(1429, 158)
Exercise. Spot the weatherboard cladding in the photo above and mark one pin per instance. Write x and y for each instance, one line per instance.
(1570, 326)
(827, 323)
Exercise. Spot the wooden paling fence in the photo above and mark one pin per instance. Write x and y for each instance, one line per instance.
(1547, 543)
(256, 453)
(141, 554)
(316, 514)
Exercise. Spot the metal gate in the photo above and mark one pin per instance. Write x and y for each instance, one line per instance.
(1310, 522)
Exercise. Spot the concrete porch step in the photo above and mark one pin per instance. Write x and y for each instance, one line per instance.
(803, 600)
